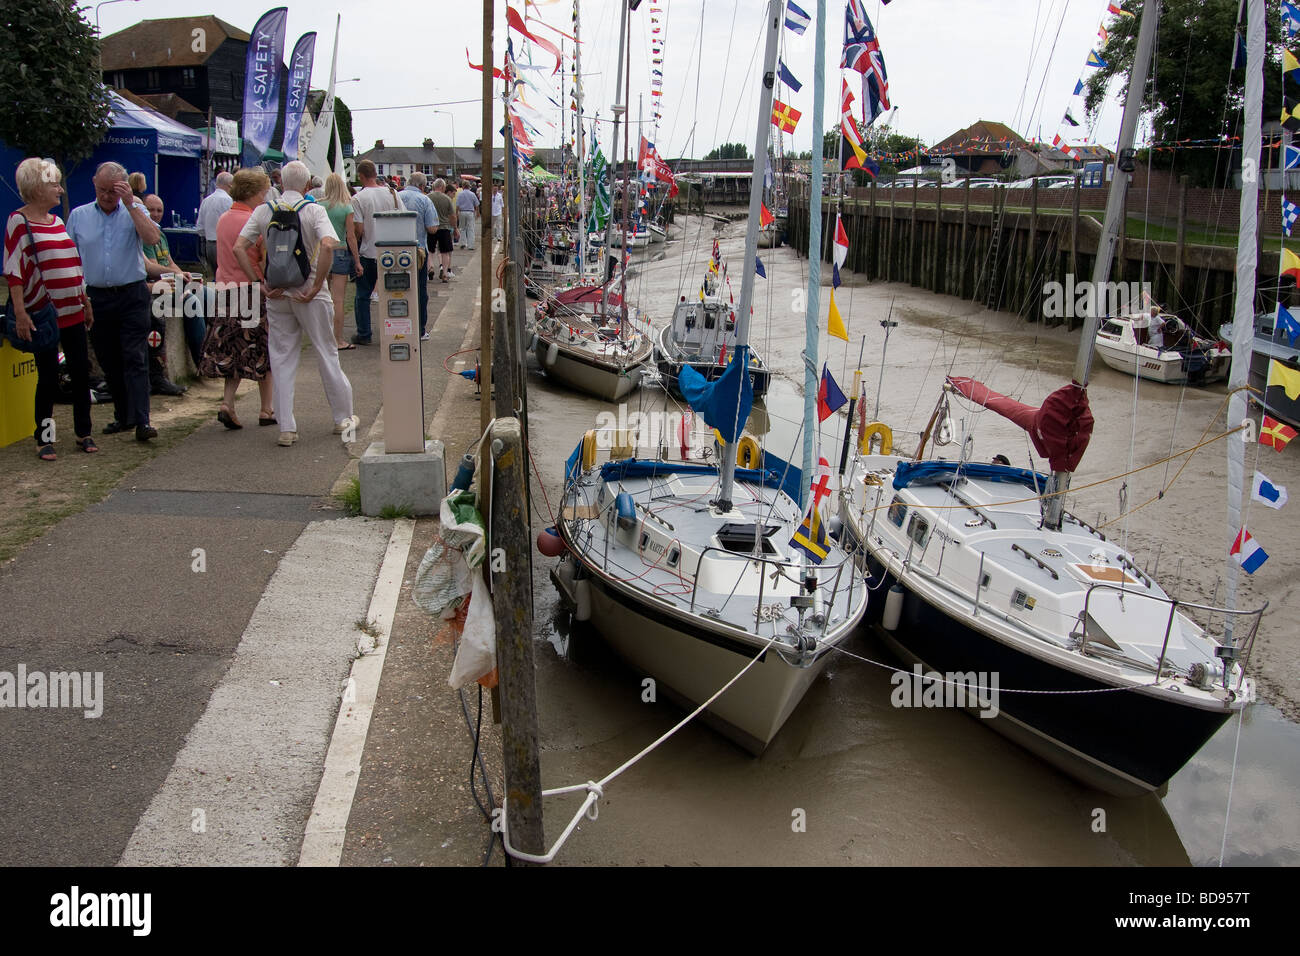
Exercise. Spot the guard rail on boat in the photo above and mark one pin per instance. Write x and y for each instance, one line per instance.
(781, 565)
(1225, 652)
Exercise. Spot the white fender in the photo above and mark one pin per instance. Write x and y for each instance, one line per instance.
(893, 608)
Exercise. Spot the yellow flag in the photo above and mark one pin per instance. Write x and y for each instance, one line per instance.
(1289, 62)
(1288, 378)
(835, 324)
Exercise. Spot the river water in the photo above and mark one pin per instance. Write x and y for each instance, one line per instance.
(875, 784)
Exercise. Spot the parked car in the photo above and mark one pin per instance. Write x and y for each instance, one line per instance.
(975, 183)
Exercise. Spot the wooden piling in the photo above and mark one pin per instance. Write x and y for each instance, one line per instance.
(512, 603)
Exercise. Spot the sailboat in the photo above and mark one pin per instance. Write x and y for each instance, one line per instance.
(583, 336)
(702, 335)
(1102, 672)
(690, 570)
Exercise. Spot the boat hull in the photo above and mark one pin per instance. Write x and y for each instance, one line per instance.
(1126, 743)
(1169, 371)
(585, 375)
(691, 662)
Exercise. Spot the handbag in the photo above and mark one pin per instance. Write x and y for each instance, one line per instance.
(45, 334)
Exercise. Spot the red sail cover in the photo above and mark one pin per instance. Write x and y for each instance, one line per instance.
(1059, 430)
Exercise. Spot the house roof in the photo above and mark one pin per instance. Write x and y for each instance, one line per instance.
(169, 104)
(170, 42)
(982, 136)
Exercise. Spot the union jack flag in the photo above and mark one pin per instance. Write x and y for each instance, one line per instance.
(862, 54)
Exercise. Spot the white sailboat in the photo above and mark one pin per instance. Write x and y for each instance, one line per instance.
(1102, 672)
(690, 571)
(581, 336)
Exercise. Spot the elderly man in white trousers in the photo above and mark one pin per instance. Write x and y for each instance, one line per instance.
(307, 309)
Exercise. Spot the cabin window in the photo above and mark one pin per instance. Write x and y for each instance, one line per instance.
(645, 539)
(710, 319)
(918, 529)
(897, 511)
(1112, 328)
(673, 555)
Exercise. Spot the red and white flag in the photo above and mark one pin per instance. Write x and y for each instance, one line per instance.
(841, 249)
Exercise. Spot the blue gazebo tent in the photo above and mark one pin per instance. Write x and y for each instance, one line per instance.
(142, 140)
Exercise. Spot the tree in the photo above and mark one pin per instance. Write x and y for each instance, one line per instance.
(50, 69)
(729, 151)
(343, 117)
(1186, 97)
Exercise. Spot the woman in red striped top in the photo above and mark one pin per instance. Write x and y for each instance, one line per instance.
(44, 268)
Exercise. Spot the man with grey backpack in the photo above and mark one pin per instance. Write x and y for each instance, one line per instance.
(299, 252)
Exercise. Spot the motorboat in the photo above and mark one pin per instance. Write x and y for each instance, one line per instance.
(1161, 348)
(702, 335)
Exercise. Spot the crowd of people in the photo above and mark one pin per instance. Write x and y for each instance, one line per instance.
(99, 274)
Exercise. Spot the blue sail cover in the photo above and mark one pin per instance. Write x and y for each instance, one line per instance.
(725, 402)
(933, 472)
(650, 468)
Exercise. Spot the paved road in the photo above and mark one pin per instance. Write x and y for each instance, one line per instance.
(114, 590)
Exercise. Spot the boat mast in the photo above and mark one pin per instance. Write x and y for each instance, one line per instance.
(1060, 482)
(751, 232)
(812, 317)
(579, 135)
(1243, 322)
(619, 110)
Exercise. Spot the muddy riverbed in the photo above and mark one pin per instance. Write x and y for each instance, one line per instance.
(874, 784)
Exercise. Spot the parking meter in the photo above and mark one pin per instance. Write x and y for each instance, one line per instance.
(399, 332)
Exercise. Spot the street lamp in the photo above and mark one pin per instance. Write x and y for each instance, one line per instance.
(453, 139)
(103, 3)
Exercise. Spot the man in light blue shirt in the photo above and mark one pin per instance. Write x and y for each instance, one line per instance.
(426, 225)
(110, 234)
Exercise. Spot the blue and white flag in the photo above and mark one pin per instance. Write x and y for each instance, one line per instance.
(758, 267)
(1247, 552)
(787, 77)
(262, 83)
(1288, 323)
(1290, 212)
(1291, 18)
(1292, 160)
(295, 100)
(796, 19)
(1264, 490)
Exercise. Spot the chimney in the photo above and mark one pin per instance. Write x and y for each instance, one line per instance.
(428, 143)
(379, 144)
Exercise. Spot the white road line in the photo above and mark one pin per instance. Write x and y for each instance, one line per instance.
(239, 789)
(322, 843)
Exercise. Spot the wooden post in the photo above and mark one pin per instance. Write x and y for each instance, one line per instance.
(507, 362)
(936, 283)
(1074, 228)
(512, 603)
(913, 246)
(1031, 265)
(485, 238)
(873, 261)
(962, 252)
(1123, 236)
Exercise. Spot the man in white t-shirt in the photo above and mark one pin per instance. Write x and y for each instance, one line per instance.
(371, 198)
(210, 210)
(308, 308)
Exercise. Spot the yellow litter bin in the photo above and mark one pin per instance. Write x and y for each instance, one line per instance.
(17, 394)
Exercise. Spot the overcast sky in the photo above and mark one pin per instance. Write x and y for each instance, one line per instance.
(950, 63)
